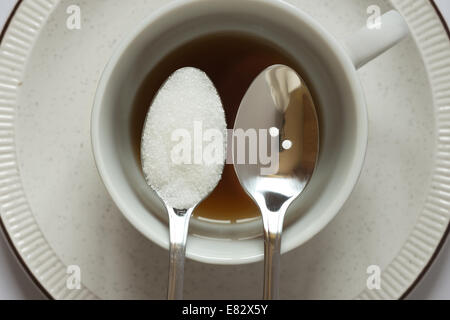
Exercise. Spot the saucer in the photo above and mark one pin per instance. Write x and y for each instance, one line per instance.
(59, 218)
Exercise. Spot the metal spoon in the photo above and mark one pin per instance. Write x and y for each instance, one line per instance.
(278, 98)
(178, 231)
(178, 218)
(178, 226)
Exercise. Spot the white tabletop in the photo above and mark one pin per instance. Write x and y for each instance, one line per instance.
(15, 283)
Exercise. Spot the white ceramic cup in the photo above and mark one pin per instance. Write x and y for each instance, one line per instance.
(330, 67)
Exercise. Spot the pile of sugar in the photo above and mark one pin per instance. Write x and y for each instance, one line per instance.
(188, 96)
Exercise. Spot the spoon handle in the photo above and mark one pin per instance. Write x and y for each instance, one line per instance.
(273, 225)
(178, 226)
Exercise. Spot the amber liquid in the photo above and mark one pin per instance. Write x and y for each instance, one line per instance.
(232, 61)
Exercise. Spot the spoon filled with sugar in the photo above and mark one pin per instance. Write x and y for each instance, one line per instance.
(279, 102)
(183, 155)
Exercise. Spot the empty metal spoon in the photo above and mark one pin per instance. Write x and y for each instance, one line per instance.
(279, 101)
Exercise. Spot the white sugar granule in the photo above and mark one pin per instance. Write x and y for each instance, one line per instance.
(188, 97)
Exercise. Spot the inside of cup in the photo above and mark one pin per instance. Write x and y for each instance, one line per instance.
(341, 131)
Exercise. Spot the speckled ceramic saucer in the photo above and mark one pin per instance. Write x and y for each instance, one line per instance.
(56, 212)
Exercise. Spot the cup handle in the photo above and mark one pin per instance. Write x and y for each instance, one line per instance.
(368, 43)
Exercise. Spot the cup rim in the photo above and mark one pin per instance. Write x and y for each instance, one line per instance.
(332, 208)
